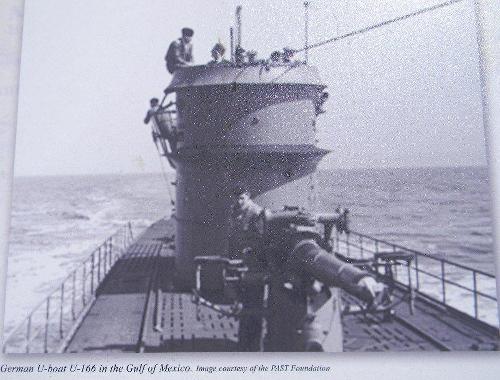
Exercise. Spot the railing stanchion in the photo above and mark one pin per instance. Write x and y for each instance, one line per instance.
(338, 241)
(84, 283)
(92, 262)
(416, 272)
(348, 244)
(28, 335)
(105, 264)
(99, 266)
(443, 282)
(61, 312)
(409, 274)
(410, 288)
(361, 246)
(130, 230)
(376, 246)
(110, 252)
(73, 297)
(396, 269)
(474, 287)
(46, 333)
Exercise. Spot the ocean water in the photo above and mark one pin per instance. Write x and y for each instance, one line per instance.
(58, 220)
(442, 211)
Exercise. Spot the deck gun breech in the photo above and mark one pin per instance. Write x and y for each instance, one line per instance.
(292, 264)
(305, 248)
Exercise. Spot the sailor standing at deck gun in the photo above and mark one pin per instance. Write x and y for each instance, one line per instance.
(245, 214)
(247, 229)
(284, 250)
(245, 243)
(180, 52)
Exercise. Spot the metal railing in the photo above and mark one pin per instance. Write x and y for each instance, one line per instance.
(50, 325)
(463, 288)
(165, 128)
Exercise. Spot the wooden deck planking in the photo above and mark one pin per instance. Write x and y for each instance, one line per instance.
(114, 322)
(121, 319)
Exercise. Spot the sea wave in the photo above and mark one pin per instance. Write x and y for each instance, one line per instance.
(74, 215)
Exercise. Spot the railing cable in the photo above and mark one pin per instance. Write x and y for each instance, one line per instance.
(381, 24)
(45, 326)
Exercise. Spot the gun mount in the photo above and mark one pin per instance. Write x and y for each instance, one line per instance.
(284, 282)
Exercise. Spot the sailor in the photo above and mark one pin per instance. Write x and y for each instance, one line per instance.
(245, 212)
(161, 127)
(288, 54)
(239, 55)
(247, 227)
(244, 243)
(150, 115)
(252, 57)
(218, 52)
(180, 52)
(276, 57)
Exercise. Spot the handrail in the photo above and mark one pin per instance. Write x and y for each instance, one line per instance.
(165, 129)
(358, 245)
(49, 323)
(421, 253)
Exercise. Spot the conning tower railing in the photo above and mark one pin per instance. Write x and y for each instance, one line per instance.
(471, 291)
(165, 129)
(51, 324)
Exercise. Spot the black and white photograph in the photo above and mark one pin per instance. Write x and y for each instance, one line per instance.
(251, 176)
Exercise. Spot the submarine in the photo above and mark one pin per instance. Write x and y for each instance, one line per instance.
(178, 286)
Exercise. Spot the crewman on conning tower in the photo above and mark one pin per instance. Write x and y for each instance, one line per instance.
(217, 53)
(162, 128)
(180, 52)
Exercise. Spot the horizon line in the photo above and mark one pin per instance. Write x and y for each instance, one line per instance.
(318, 170)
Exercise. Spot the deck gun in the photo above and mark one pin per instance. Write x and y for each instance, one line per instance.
(284, 281)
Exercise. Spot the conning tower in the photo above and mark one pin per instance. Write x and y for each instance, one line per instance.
(249, 125)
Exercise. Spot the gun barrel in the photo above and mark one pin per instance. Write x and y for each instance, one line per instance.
(285, 218)
(328, 218)
(308, 257)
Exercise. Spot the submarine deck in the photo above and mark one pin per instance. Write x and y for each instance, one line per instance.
(137, 310)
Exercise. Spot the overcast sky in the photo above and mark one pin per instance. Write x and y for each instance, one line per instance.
(403, 95)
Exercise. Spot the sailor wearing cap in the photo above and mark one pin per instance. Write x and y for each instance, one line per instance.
(180, 52)
(245, 212)
(244, 243)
